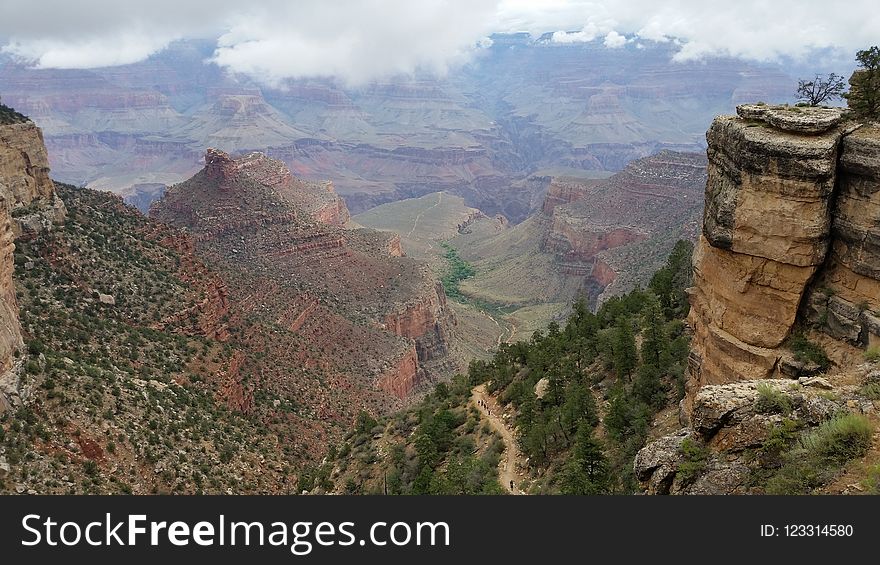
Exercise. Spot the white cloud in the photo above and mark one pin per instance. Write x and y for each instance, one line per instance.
(359, 40)
(614, 40)
(355, 40)
(753, 29)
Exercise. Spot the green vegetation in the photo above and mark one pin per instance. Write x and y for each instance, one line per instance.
(557, 430)
(872, 354)
(871, 391)
(618, 366)
(864, 96)
(819, 454)
(457, 271)
(10, 116)
(431, 450)
(670, 282)
(694, 455)
(806, 351)
(123, 402)
(771, 400)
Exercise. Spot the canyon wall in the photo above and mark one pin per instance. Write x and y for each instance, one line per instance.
(789, 240)
(24, 179)
(426, 321)
(28, 205)
(10, 331)
(610, 232)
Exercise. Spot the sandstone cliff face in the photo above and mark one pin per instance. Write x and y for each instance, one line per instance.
(402, 377)
(790, 237)
(10, 331)
(27, 205)
(845, 300)
(24, 179)
(425, 321)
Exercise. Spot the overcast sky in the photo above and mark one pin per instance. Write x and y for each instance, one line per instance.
(362, 40)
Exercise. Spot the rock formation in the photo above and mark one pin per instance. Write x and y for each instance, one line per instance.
(355, 306)
(790, 243)
(729, 422)
(28, 205)
(10, 331)
(599, 229)
(24, 179)
(789, 237)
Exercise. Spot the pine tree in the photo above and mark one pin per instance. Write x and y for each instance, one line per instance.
(864, 96)
(625, 355)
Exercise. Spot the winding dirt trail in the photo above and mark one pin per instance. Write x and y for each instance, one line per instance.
(510, 331)
(507, 468)
(422, 213)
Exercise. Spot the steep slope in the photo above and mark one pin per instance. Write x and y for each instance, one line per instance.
(28, 206)
(345, 301)
(128, 374)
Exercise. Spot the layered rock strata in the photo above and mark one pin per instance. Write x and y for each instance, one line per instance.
(773, 176)
(358, 310)
(28, 205)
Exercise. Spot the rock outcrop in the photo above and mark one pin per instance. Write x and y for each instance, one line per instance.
(789, 238)
(426, 321)
(729, 426)
(28, 205)
(10, 331)
(24, 179)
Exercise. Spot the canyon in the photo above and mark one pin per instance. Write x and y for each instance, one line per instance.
(589, 238)
(525, 107)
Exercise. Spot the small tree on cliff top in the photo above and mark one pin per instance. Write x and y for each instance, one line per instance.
(864, 96)
(820, 89)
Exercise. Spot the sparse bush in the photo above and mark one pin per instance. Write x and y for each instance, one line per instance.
(806, 351)
(872, 354)
(840, 439)
(771, 400)
(695, 455)
(871, 391)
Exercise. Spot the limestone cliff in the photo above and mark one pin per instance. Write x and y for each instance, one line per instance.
(790, 237)
(10, 331)
(24, 178)
(28, 205)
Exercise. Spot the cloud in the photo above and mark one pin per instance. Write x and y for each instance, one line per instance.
(614, 40)
(355, 40)
(370, 39)
(751, 29)
(591, 30)
(362, 40)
